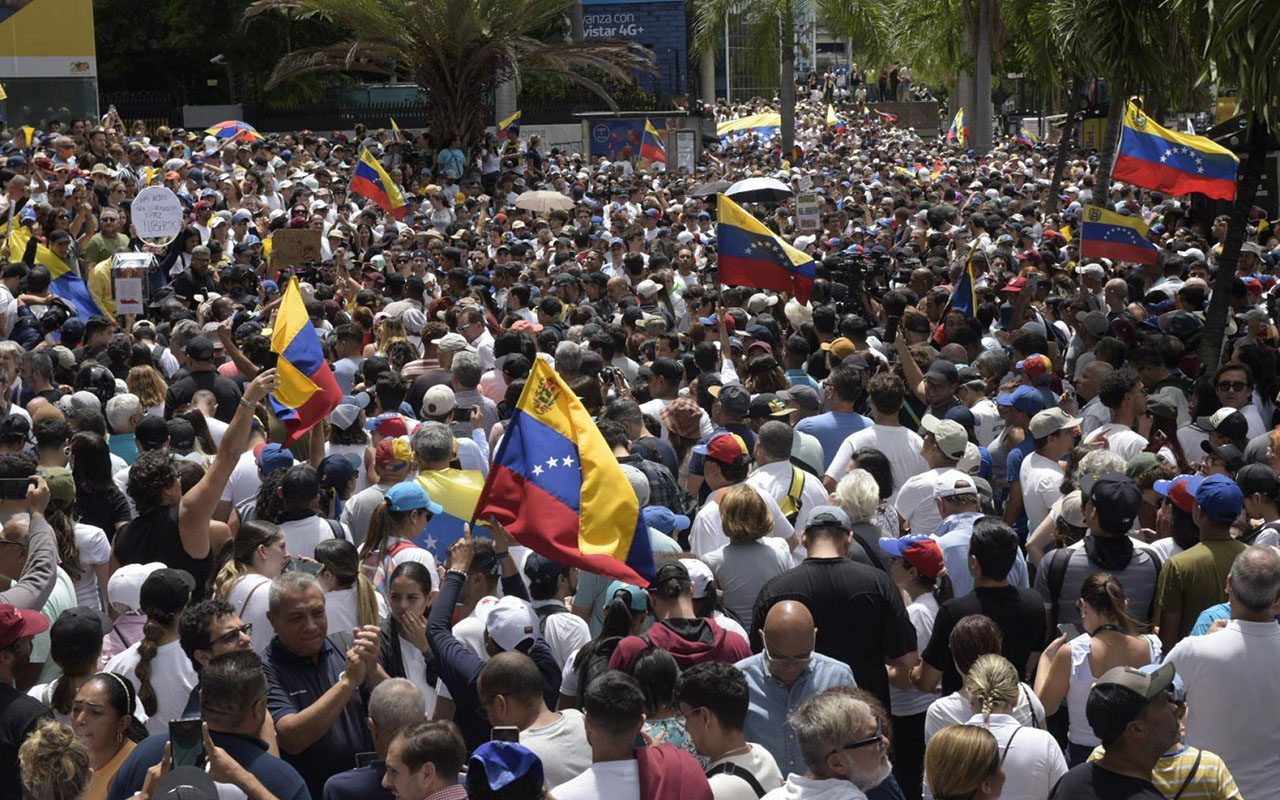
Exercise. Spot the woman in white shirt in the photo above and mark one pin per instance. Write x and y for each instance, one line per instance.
(247, 565)
(75, 643)
(404, 631)
(350, 599)
(83, 550)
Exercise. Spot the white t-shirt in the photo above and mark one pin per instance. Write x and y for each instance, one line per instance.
(172, 678)
(954, 709)
(1033, 761)
(917, 502)
(922, 612)
(756, 761)
(94, 550)
(1121, 439)
(415, 670)
(249, 596)
(302, 535)
(1041, 481)
(359, 508)
(775, 479)
(216, 428)
(562, 746)
(244, 480)
(340, 608)
(899, 445)
(707, 533)
(564, 632)
(986, 421)
(617, 780)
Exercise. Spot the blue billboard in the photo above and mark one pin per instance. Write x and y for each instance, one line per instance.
(661, 27)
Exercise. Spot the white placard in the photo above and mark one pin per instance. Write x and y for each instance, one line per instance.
(128, 275)
(808, 211)
(156, 213)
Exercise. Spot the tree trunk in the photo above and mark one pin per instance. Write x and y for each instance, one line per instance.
(504, 100)
(1215, 321)
(1115, 120)
(787, 97)
(981, 130)
(707, 74)
(1064, 143)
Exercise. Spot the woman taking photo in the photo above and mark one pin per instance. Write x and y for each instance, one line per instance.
(102, 717)
(405, 651)
(1069, 666)
(963, 763)
(245, 568)
(350, 598)
(83, 550)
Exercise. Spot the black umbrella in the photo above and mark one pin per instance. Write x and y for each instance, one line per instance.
(759, 190)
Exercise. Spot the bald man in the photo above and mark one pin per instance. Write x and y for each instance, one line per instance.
(785, 674)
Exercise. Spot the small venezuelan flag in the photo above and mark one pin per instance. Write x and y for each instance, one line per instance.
(554, 459)
(1107, 234)
(396, 135)
(652, 147)
(509, 126)
(308, 390)
(958, 132)
(1027, 137)
(372, 181)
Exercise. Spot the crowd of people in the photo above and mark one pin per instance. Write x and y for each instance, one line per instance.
(1026, 548)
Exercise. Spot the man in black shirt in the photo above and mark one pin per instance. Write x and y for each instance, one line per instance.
(1132, 711)
(858, 611)
(201, 375)
(1019, 612)
(19, 713)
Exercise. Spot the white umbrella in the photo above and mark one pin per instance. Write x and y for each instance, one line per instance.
(759, 190)
(542, 201)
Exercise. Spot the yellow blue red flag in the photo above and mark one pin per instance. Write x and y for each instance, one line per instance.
(65, 282)
(308, 390)
(652, 147)
(558, 488)
(753, 255)
(1027, 137)
(1108, 234)
(509, 126)
(1167, 161)
(396, 135)
(958, 132)
(372, 181)
(458, 491)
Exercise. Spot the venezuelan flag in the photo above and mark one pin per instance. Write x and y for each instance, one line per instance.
(372, 181)
(958, 132)
(964, 298)
(1027, 137)
(308, 391)
(886, 116)
(833, 121)
(66, 283)
(509, 126)
(458, 490)
(1106, 234)
(752, 255)
(558, 488)
(396, 135)
(652, 147)
(1174, 163)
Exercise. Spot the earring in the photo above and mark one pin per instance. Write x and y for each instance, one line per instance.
(119, 736)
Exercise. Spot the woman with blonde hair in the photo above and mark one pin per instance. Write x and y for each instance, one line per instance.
(147, 384)
(55, 764)
(752, 556)
(1031, 758)
(385, 331)
(963, 763)
(246, 565)
(349, 597)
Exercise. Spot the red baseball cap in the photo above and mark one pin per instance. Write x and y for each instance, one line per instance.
(919, 551)
(392, 450)
(1015, 285)
(724, 447)
(16, 623)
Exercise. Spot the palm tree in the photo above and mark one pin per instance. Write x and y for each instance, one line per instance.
(456, 51)
(1240, 42)
(771, 34)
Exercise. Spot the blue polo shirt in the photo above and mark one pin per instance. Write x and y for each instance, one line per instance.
(250, 752)
(297, 682)
(123, 445)
(361, 783)
(831, 429)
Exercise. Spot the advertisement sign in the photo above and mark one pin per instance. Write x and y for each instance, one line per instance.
(662, 27)
(619, 139)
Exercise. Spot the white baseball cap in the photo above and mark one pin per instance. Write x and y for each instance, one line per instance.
(511, 621)
(125, 586)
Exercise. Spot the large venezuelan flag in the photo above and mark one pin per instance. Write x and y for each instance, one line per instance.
(1175, 163)
(308, 390)
(651, 146)
(66, 283)
(752, 255)
(1106, 234)
(372, 181)
(558, 489)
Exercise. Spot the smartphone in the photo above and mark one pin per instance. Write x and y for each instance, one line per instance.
(186, 736)
(14, 488)
(308, 566)
(640, 742)
(365, 759)
(1068, 630)
(462, 413)
(505, 733)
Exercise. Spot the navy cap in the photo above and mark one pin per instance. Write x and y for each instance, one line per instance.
(1220, 498)
(1115, 498)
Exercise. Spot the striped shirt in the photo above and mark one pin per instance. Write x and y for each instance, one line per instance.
(1211, 780)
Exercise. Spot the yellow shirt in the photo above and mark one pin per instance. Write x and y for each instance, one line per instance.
(101, 288)
(101, 783)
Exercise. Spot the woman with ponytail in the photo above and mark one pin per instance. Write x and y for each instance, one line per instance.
(1031, 757)
(75, 643)
(83, 550)
(1070, 666)
(917, 567)
(389, 542)
(103, 717)
(243, 573)
(349, 597)
(405, 650)
(625, 609)
(157, 667)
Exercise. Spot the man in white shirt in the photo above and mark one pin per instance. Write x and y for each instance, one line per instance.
(796, 491)
(1123, 393)
(1092, 413)
(726, 464)
(1233, 688)
(1054, 432)
(713, 699)
(942, 448)
(1234, 385)
(900, 445)
(550, 582)
(986, 416)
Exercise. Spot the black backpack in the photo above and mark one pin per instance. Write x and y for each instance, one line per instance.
(729, 768)
(549, 610)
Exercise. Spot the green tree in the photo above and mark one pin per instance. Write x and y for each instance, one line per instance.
(456, 51)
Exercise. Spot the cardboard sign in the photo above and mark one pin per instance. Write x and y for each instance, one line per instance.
(293, 248)
(808, 211)
(156, 213)
(128, 276)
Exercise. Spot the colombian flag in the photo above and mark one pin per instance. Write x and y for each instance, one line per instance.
(1106, 234)
(372, 181)
(509, 126)
(1174, 163)
(458, 490)
(752, 255)
(651, 146)
(558, 488)
(308, 391)
(958, 132)
(65, 284)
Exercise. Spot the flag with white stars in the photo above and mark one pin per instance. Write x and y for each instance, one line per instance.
(1154, 157)
(1108, 234)
(752, 255)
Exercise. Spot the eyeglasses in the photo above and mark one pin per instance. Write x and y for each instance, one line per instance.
(800, 661)
(233, 634)
(878, 739)
(1232, 386)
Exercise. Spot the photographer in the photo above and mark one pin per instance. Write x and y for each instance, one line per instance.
(24, 492)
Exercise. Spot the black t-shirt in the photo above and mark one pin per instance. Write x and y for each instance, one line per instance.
(1018, 612)
(103, 509)
(18, 715)
(154, 536)
(422, 383)
(1090, 781)
(225, 390)
(858, 611)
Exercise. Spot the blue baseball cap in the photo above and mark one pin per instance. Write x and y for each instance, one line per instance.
(1220, 498)
(273, 457)
(408, 496)
(270, 286)
(501, 763)
(637, 599)
(1025, 399)
(665, 520)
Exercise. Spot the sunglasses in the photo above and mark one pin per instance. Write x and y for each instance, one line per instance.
(1232, 386)
(234, 634)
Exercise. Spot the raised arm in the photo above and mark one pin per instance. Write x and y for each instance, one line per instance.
(39, 575)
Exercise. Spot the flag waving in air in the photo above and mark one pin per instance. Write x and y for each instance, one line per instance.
(1107, 234)
(753, 255)
(396, 135)
(65, 284)
(1027, 137)
(959, 131)
(559, 490)
(308, 390)
(652, 147)
(372, 181)
(509, 126)
(1174, 163)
